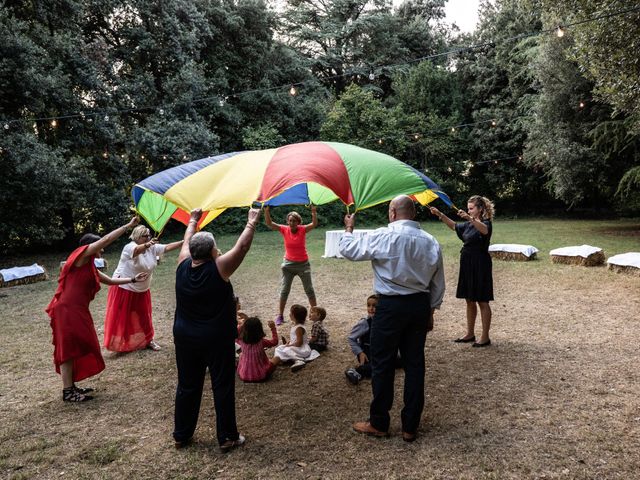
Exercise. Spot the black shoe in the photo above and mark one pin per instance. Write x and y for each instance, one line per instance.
(465, 340)
(72, 395)
(81, 390)
(480, 345)
(353, 376)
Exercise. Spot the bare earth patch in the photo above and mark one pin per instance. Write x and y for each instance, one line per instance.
(555, 396)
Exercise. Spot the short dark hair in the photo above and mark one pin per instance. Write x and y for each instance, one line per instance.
(322, 313)
(252, 331)
(299, 313)
(375, 296)
(88, 239)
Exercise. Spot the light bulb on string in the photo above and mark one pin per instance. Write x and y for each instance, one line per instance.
(292, 91)
(54, 123)
(380, 141)
(105, 154)
(142, 157)
(416, 136)
(581, 105)
(6, 126)
(372, 76)
(106, 118)
(560, 31)
(493, 123)
(161, 111)
(453, 129)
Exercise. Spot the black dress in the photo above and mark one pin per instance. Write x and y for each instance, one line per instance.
(475, 282)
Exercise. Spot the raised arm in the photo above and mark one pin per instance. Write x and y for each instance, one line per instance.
(230, 261)
(173, 245)
(476, 222)
(188, 233)
(97, 246)
(106, 279)
(267, 220)
(314, 220)
(447, 221)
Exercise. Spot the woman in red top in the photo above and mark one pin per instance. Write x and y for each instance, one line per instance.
(296, 260)
(76, 353)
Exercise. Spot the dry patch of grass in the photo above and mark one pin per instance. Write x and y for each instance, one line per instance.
(555, 396)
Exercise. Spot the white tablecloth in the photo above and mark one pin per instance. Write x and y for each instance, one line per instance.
(332, 240)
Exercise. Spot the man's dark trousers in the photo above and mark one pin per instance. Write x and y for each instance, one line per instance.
(400, 323)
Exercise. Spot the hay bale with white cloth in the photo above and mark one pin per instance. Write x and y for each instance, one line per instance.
(625, 263)
(584, 255)
(513, 251)
(10, 277)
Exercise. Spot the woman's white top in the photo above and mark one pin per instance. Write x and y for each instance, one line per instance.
(130, 266)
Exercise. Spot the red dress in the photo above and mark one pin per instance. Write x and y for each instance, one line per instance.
(74, 335)
(254, 365)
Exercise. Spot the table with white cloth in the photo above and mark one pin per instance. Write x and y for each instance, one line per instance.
(332, 241)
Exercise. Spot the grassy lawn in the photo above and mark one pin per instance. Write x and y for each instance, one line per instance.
(555, 396)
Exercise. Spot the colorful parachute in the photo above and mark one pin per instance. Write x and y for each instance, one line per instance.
(302, 173)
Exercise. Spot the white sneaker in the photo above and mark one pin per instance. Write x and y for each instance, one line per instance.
(298, 364)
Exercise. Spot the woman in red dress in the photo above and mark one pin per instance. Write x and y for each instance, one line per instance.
(76, 352)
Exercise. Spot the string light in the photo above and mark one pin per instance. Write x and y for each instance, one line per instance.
(380, 142)
(581, 105)
(105, 154)
(292, 91)
(559, 31)
(161, 111)
(416, 136)
(54, 123)
(493, 123)
(453, 129)
(142, 157)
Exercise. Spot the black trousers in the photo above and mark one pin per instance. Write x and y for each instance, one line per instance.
(399, 324)
(192, 362)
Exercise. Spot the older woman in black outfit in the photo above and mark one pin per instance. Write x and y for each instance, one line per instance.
(475, 281)
(205, 329)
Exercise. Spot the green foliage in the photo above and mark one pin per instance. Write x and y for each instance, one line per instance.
(629, 188)
(359, 118)
(344, 41)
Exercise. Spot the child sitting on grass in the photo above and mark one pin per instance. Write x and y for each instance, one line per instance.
(359, 342)
(254, 365)
(297, 349)
(319, 336)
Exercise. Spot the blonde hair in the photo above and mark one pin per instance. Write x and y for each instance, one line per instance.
(138, 232)
(486, 205)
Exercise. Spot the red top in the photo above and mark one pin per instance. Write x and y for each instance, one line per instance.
(74, 335)
(295, 244)
(254, 365)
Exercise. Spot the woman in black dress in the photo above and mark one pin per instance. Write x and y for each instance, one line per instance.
(475, 282)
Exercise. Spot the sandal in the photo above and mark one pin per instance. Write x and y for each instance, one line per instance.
(82, 391)
(70, 394)
(154, 346)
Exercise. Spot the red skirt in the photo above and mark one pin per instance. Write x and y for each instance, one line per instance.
(127, 325)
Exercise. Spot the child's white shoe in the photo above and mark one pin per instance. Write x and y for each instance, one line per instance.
(298, 364)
